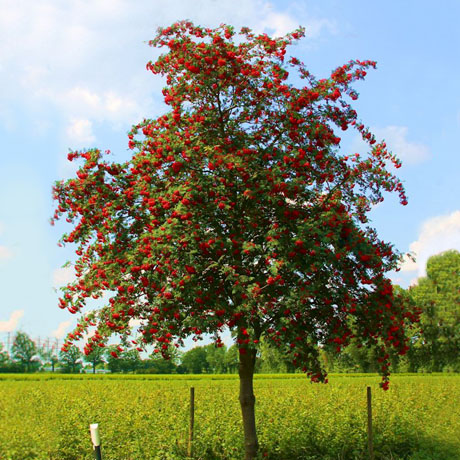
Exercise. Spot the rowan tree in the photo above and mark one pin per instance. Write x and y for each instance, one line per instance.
(237, 210)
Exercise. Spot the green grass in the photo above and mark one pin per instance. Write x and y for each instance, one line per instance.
(146, 417)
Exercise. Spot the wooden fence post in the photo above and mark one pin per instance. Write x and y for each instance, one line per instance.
(370, 440)
(192, 422)
(96, 440)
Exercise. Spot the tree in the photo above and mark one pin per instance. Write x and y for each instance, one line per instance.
(273, 360)
(23, 350)
(3, 355)
(71, 358)
(194, 361)
(95, 357)
(215, 357)
(438, 296)
(157, 365)
(238, 210)
(54, 360)
(48, 356)
(355, 358)
(119, 360)
(232, 359)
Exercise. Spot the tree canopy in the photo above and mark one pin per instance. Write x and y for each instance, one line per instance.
(71, 358)
(23, 349)
(237, 210)
(438, 296)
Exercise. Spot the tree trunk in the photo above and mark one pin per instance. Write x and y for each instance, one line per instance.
(247, 402)
(94, 367)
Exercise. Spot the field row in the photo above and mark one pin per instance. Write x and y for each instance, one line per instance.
(418, 418)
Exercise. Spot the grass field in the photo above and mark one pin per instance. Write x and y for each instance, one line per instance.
(146, 417)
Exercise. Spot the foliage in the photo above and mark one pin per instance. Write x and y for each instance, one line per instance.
(23, 350)
(174, 355)
(158, 365)
(272, 360)
(123, 360)
(237, 209)
(48, 356)
(438, 296)
(71, 359)
(147, 417)
(95, 357)
(3, 355)
(6, 365)
(215, 358)
(194, 361)
(231, 359)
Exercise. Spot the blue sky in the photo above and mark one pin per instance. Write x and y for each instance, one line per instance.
(72, 75)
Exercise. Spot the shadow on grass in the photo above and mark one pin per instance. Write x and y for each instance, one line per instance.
(405, 445)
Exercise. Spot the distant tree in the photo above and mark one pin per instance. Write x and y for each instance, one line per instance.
(3, 355)
(215, 356)
(194, 361)
(24, 350)
(123, 360)
(156, 364)
(272, 360)
(94, 357)
(53, 361)
(232, 359)
(48, 356)
(71, 359)
(437, 344)
(173, 354)
(238, 210)
(355, 358)
(359, 358)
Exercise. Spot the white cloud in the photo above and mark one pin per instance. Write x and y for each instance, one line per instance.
(409, 153)
(87, 59)
(396, 139)
(63, 276)
(437, 235)
(81, 103)
(413, 282)
(408, 264)
(60, 332)
(11, 324)
(280, 23)
(87, 335)
(80, 131)
(5, 253)
(135, 322)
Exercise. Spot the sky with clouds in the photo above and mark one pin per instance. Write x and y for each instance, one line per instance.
(72, 75)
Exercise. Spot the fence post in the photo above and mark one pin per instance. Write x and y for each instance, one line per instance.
(96, 440)
(370, 440)
(192, 422)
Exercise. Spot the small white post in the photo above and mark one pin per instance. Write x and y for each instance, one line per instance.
(96, 440)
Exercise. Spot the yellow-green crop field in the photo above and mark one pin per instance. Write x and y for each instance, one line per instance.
(146, 417)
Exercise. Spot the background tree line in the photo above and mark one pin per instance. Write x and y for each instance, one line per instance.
(435, 342)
